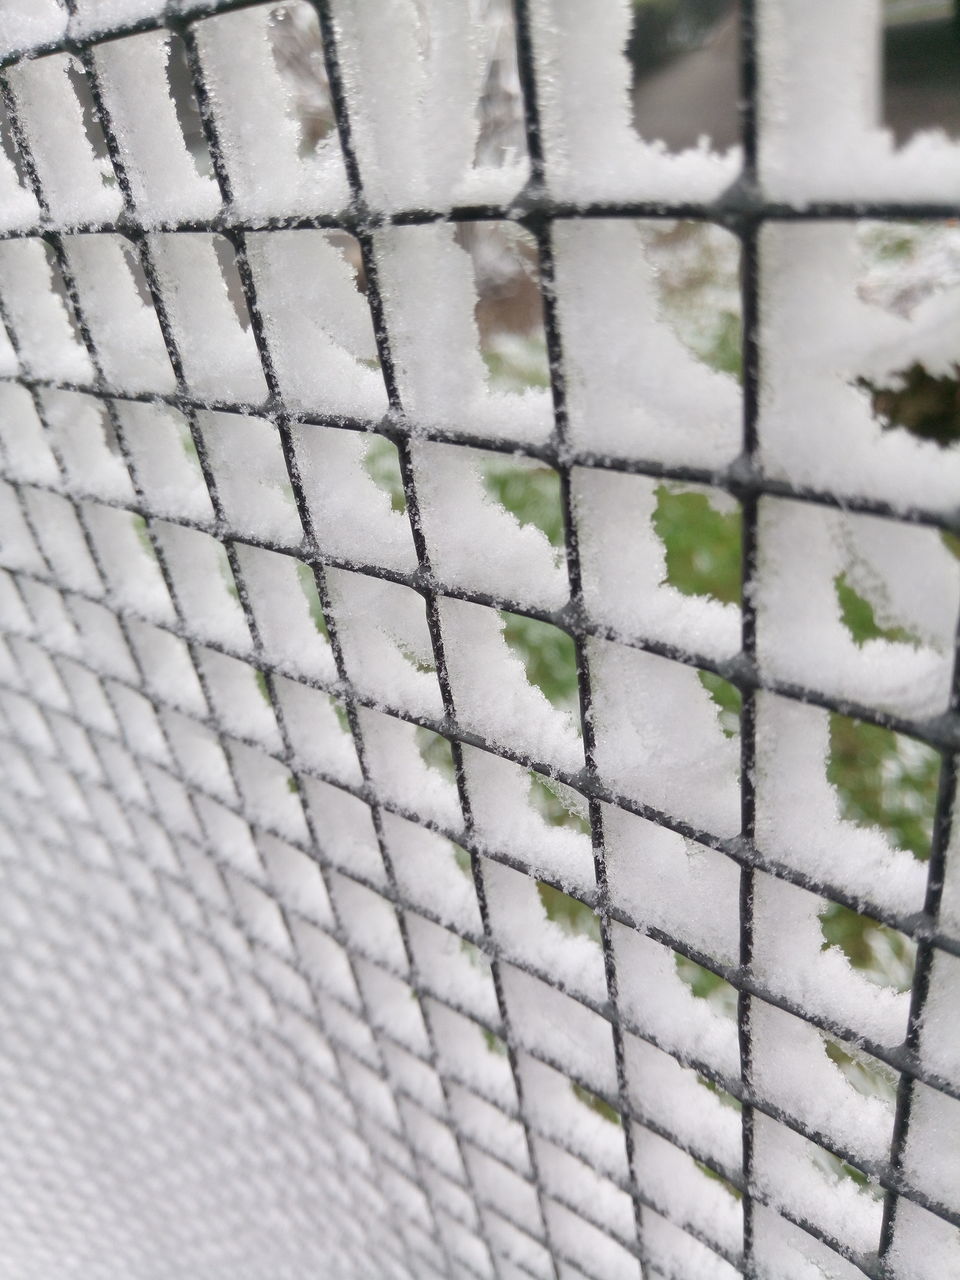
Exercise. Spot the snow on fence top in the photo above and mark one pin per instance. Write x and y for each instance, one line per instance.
(477, 676)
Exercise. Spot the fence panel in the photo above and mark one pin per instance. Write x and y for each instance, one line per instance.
(478, 615)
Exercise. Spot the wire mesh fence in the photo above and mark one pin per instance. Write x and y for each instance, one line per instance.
(437, 693)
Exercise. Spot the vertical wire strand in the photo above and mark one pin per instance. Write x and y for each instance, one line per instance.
(751, 350)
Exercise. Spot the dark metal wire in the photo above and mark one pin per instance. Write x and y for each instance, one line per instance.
(750, 308)
(742, 210)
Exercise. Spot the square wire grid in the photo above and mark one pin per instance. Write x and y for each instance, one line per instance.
(201, 868)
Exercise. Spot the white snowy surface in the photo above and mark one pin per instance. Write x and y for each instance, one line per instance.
(625, 571)
(48, 346)
(507, 818)
(330, 944)
(798, 813)
(261, 136)
(663, 881)
(794, 1071)
(216, 346)
(660, 740)
(592, 151)
(251, 477)
(164, 460)
(655, 999)
(430, 293)
(163, 178)
(495, 697)
(128, 339)
(317, 322)
(76, 182)
(906, 573)
(30, 22)
(473, 542)
(817, 425)
(821, 112)
(352, 514)
(417, 72)
(791, 959)
(635, 389)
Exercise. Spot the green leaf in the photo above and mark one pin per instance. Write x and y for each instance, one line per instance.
(340, 711)
(381, 462)
(728, 700)
(531, 494)
(560, 805)
(308, 586)
(596, 1104)
(857, 615)
(143, 535)
(570, 914)
(494, 1043)
(435, 752)
(548, 655)
(884, 780)
(702, 545)
(261, 680)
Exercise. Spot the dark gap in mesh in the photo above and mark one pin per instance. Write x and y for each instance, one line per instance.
(572, 915)
(921, 68)
(596, 1104)
(348, 247)
(869, 1076)
(697, 270)
(684, 58)
(435, 750)
(500, 139)
(185, 102)
(529, 490)
(10, 149)
(227, 262)
(381, 461)
(308, 586)
(298, 53)
(91, 119)
(59, 286)
(884, 780)
(548, 656)
(132, 259)
(706, 985)
(509, 306)
(701, 532)
(882, 954)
